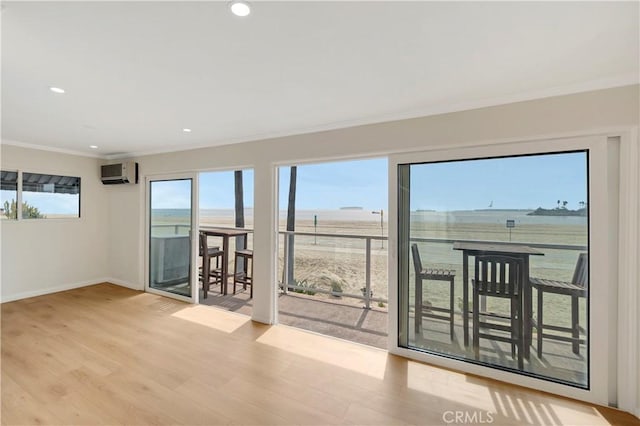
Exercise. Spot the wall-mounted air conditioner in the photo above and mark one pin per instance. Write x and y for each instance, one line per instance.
(112, 174)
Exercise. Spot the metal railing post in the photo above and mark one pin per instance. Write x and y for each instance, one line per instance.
(367, 275)
(285, 265)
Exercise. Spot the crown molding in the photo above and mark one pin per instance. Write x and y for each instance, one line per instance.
(50, 149)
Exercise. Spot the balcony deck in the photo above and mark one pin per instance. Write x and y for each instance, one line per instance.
(341, 318)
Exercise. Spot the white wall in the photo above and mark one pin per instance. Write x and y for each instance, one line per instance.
(43, 256)
(125, 252)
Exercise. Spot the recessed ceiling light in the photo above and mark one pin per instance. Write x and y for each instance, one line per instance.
(240, 8)
(56, 90)
(186, 130)
(93, 146)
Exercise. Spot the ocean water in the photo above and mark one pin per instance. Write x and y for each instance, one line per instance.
(497, 217)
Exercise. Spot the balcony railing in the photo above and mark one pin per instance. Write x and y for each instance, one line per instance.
(176, 228)
(367, 296)
(367, 293)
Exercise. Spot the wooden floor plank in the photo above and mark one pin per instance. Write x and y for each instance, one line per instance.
(19, 407)
(106, 355)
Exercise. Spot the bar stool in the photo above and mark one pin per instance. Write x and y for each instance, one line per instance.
(499, 277)
(576, 289)
(431, 274)
(206, 271)
(245, 276)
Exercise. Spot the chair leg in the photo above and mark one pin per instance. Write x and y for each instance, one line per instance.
(205, 288)
(235, 273)
(418, 303)
(476, 324)
(514, 337)
(539, 322)
(248, 274)
(251, 291)
(206, 267)
(245, 271)
(451, 302)
(575, 326)
(519, 336)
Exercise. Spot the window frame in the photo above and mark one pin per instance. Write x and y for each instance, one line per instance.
(18, 194)
(19, 197)
(603, 265)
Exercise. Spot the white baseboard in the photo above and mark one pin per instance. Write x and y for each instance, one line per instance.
(125, 284)
(49, 290)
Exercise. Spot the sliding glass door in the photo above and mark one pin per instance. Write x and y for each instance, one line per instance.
(501, 253)
(497, 261)
(171, 226)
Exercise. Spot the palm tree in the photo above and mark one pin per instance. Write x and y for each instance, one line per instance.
(241, 242)
(564, 204)
(291, 223)
(582, 203)
(558, 204)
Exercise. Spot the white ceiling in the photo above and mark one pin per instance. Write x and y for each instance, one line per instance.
(136, 74)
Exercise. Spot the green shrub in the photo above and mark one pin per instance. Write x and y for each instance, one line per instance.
(308, 287)
(28, 211)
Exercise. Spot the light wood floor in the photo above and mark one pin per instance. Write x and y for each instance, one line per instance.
(108, 355)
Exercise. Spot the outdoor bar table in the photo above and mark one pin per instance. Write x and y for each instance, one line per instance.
(514, 250)
(225, 233)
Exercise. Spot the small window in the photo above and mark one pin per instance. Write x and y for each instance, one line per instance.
(50, 196)
(9, 194)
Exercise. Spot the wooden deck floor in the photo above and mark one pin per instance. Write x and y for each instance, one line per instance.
(108, 355)
(341, 318)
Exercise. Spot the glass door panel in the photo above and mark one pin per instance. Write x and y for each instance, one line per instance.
(170, 230)
(493, 257)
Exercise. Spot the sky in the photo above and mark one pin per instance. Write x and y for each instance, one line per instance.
(217, 189)
(526, 182)
(332, 185)
(361, 183)
(47, 203)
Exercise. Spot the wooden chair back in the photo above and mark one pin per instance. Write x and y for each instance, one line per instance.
(497, 275)
(581, 273)
(417, 263)
(203, 246)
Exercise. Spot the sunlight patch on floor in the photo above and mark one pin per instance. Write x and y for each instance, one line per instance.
(580, 414)
(358, 358)
(432, 380)
(217, 319)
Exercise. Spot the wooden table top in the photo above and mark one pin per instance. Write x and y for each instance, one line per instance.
(496, 248)
(222, 232)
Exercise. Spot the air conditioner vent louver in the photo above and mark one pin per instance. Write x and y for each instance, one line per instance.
(121, 173)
